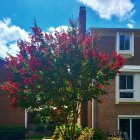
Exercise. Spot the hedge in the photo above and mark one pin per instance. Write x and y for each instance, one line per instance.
(12, 132)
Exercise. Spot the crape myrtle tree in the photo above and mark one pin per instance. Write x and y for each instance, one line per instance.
(57, 72)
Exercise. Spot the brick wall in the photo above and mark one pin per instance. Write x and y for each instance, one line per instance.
(8, 115)
(108, 111)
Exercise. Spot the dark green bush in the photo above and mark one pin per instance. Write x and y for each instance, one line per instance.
(12, 133)
(99, 134)
(40, 127)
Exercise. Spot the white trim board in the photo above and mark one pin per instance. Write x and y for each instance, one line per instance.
(130, 68)
(128, 116)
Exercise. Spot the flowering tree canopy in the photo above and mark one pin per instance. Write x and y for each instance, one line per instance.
(56, 72)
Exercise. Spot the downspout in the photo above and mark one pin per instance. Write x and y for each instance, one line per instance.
(26, 118)
(92, 114)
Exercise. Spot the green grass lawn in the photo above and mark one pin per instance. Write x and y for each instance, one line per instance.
(37, 137)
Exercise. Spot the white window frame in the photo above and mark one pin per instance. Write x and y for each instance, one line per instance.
(125, 53)
(127, 117)
(128, 90)
(129, 70)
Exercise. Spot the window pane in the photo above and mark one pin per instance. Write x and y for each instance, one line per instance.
(122, 82)
(127, 42)
(122, 40)
(126, 94)
(130, 82)
(136, 129)
(125, 126)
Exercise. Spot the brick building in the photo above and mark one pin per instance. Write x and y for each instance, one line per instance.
(120, 110)
(8, 115)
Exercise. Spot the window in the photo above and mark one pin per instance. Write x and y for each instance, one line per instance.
(124, 126)
(125, 44)
(130, 125)
(126, 86)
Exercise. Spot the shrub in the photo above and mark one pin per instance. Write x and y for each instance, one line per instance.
(80, 133)
(58, 134)
(51, 126)
(86, 134)
(40, 127)
(114, 138)
(99, 134)
(12, 133)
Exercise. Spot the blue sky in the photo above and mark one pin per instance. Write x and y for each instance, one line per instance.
(16, 16)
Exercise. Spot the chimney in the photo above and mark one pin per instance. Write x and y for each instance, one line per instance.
(82, 19)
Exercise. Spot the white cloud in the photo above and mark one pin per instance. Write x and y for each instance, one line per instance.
(123, 9)
(9, 34)
(62, 28)
(131, 24)
(59, 28)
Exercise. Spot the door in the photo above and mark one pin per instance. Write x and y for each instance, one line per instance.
(125, 126)
(136, 129)
(131, 126)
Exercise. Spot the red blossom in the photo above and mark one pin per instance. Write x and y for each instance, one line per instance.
(119, 72)
(58, 110)
(21, 58)
(93, 53)
(47, 68)
(44, 64)
(114, 54)
(88, 41)
(4, 87)
(14, 102)
(96, 37)
(37, 33)
(112, 67)
(100, 86)
(30, 49)
(22, 71)
(103, 57)
(80, 39)
(12, 88)
(35, 77)
(12, 61)
(26, 80)
(35, 63)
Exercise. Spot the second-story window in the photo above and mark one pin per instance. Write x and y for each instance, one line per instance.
(124, 42)
(126, 86)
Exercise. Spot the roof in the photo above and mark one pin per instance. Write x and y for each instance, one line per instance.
(115, 29)
(1, 58)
